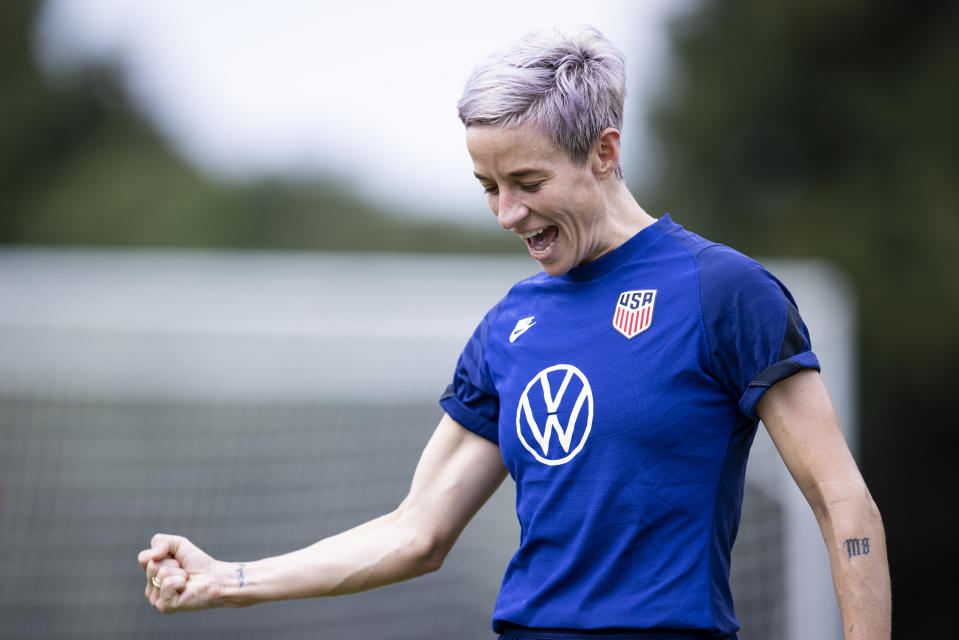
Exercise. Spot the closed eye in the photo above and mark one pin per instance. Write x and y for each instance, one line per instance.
(533, 186)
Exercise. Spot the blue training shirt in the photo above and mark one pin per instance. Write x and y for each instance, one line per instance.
(622, 396)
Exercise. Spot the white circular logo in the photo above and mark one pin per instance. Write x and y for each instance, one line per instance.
(557, 400)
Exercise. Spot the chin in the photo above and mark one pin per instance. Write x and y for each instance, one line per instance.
(555, 269)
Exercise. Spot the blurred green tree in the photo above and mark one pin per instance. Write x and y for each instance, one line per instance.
(829, 129)
(78, 166)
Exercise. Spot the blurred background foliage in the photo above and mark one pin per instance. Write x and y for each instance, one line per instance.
(79, 166)
(798, 128)
(815, 128)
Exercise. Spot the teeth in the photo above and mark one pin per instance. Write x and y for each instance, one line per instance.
(527, 236)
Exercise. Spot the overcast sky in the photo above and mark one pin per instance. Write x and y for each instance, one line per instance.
(363, 90)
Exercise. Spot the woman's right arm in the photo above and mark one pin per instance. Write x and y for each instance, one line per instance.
(457, 473)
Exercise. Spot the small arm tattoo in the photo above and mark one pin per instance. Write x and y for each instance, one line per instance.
(857, 547)
(240, 578)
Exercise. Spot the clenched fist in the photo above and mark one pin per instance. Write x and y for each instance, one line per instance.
(180, 576)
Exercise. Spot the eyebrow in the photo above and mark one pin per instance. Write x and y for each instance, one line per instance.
(519, 173)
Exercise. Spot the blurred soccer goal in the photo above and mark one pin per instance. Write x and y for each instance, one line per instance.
(257, 402)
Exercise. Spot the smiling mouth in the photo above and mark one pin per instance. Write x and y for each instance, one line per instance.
(541, 240)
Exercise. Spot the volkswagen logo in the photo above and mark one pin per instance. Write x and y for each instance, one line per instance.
(557, 400)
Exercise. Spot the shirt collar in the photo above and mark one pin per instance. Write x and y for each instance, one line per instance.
(621, 254)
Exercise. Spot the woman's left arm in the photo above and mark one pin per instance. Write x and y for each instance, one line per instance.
(802, 422)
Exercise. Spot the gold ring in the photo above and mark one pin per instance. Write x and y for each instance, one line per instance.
(156, 582)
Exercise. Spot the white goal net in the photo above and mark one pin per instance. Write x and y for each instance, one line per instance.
(256, 402)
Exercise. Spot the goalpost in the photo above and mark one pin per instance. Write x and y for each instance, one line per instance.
(255, 402)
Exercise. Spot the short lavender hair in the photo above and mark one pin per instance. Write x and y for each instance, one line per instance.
(570, 86)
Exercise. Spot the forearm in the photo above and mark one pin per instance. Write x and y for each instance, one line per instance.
(383, 551)
(853, 532)
(457, 473)
(801, 420)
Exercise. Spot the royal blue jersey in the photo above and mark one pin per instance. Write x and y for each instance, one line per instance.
(622, 395)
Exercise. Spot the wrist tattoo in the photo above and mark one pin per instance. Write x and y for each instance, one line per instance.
(240, 578)
(857, 547)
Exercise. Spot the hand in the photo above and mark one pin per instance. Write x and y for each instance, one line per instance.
(187, 575)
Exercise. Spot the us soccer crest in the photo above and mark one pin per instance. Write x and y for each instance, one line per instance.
(634, 312)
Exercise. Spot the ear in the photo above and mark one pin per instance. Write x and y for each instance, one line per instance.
(606, 153)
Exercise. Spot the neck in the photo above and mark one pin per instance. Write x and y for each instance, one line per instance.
(626, 218)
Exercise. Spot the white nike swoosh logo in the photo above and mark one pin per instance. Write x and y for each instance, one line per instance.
(521, 327)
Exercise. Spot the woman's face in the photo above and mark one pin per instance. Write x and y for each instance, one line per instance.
(536, 191)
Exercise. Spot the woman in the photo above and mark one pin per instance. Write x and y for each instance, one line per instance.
(620, 389)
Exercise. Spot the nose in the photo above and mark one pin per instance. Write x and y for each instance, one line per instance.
(510, 210)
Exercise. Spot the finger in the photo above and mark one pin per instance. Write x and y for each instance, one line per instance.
(165, 573)
(163, 568)
(179, 583)
(144, 557)
(169, 595)
(172, 587)
(160, 546)
(154, 589)
(167, 545)
(166, 561)
(154, 567)
(150, 571)
(153, 595)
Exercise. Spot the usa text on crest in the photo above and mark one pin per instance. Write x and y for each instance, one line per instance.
(634, 312)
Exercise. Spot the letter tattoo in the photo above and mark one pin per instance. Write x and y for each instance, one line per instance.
(240, 578)
(857, 547)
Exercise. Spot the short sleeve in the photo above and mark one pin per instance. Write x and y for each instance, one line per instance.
(471, 397)
(755, 334)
